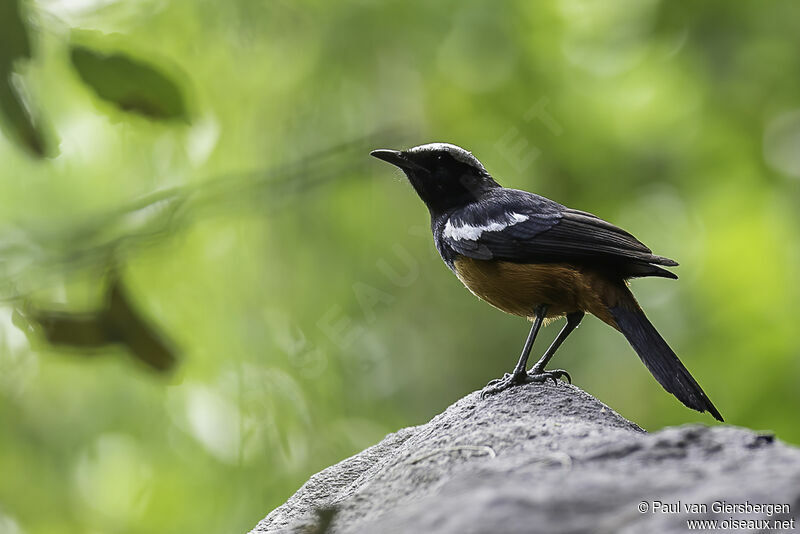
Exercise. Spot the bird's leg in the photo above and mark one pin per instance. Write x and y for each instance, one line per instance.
(537, 372)
(519, 375)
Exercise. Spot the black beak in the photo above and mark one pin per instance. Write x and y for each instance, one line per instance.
(395, 157)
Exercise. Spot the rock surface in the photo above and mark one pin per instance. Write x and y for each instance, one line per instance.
(546, 458)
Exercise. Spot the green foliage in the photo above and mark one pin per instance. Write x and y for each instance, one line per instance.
(130, 84)
(299, 286)
(15, 46)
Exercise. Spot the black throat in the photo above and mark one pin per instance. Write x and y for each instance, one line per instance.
(444, 193)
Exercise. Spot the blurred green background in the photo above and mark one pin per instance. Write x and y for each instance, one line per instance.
(300, 288)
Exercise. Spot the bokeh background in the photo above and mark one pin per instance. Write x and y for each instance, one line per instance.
(209, 161)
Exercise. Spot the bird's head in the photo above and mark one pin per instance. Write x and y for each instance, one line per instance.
(444, 176)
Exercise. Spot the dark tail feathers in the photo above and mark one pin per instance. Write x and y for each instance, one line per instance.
(660, 359)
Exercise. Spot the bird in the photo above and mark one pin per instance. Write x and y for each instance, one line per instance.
(532, 257)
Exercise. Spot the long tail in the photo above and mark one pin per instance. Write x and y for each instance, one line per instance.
(658, 356)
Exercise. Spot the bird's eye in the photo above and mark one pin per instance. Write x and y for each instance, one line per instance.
(439, 157)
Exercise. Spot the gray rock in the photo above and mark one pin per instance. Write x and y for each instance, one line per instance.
(546, 458)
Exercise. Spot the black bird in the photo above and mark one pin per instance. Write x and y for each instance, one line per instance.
(530, 256)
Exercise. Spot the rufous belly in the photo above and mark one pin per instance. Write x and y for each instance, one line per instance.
(519, 288)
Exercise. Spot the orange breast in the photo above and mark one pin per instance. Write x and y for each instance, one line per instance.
(518, 288)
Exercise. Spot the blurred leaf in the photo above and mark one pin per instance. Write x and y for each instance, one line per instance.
(129, 327)
(15, 45)
(18, 123)
(130, 84)
(61, 328)
(119, 322)
(14, 39)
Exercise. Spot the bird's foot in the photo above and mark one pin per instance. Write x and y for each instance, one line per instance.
(501, 384)
(534, 375)
(540, 375)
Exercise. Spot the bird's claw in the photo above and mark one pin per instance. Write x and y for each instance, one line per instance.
(500, 384)
(498, 380)
(536, 375)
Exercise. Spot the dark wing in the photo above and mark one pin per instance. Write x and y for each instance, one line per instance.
(521, 227)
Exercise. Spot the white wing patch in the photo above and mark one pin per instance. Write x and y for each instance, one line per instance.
(473, 233)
